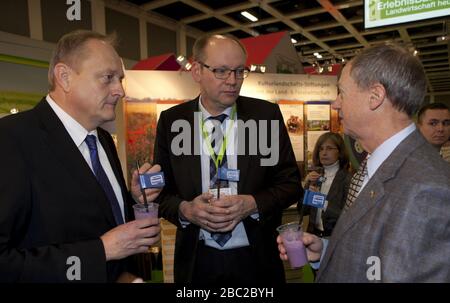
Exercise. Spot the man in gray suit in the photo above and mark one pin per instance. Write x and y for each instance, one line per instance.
(398, 228)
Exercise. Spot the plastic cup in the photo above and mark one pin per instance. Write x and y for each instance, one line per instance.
(141, 212)
(292, 236)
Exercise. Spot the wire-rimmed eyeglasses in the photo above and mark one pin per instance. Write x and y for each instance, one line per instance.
(327, 148)
(223, 73)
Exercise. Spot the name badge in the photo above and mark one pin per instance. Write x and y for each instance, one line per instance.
(229, 174)
(314, 199)
(226, 191)
(152, 180)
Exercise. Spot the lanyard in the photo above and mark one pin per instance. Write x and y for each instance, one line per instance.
(217, 159)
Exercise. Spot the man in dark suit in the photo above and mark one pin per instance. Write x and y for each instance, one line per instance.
(63, 198)
(398, 227)
(226, 239)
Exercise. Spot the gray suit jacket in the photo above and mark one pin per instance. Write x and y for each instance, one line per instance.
(402, 217)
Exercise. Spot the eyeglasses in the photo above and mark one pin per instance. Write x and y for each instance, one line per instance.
(327, 148)
(223, 73)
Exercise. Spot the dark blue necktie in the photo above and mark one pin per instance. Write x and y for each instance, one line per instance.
(102, 178)
(217, 137)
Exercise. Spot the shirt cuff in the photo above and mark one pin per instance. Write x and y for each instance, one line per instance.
(316, 265)
(255, 216)
(183, 223)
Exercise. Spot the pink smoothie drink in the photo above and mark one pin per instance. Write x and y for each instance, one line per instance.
(141, 212)
(292, 235)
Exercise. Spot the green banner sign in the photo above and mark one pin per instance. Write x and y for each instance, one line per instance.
(387, 12)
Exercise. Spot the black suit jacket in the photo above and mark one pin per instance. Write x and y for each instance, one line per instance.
(51, 205)
(336, 200)
(273, 187)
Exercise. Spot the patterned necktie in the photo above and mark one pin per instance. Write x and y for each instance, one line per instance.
(355, 184)
(217, 138)
(102, 178)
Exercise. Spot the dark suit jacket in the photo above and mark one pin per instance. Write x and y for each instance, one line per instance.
(336, 200)
(273, 187)
(51, 205)
(401, 217)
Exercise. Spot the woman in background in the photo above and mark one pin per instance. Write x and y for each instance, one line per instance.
(331, 158)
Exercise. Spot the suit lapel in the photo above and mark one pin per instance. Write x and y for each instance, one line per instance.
(337, 183)
(373, 193)
(243, 160)
(194, 168)
(69, 156)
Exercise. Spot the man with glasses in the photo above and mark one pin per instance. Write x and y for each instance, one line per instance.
(225, 203)
(434, 124)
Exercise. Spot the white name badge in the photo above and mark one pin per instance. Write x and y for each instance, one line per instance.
(226, 191)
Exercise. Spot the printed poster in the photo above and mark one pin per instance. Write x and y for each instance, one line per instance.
(292, 112)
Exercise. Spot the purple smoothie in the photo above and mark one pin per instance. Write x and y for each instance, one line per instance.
(140, 212)
(296, 252)
(292, 236)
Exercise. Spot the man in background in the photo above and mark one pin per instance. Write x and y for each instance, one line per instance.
(64, 205)
(434, 123)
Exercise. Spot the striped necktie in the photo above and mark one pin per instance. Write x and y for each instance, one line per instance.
(217, 138)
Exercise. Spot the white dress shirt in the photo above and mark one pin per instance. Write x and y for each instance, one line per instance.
(78, 134)
(239, 235)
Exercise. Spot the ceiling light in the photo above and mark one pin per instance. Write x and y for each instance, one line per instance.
(249, 16)
(14, 111)
(183, 62)
(293, 40)
(442, 38)
(415, 52)
(316, 54)
(258, 68)
(254, 33)
(319, 56)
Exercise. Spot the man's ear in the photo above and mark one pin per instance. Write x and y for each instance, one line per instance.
(377, 95)
(196, 71)
(62, 75)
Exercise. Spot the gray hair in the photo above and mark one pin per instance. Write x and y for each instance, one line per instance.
(397, 69)
(70, 50)
(200, 44)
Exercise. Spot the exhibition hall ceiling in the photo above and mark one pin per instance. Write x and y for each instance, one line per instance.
(332, 28)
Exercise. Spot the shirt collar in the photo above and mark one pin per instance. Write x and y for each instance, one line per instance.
(206, 114)
(330, 170)
(76, 131)
(382, 152)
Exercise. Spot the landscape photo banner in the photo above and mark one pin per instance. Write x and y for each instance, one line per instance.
(387, 12)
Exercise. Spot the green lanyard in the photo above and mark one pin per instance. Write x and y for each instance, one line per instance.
(217, 159)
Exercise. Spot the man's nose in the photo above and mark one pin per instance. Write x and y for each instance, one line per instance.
(232, 78)
(336, 104)
(117, 89)
(440, 126)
